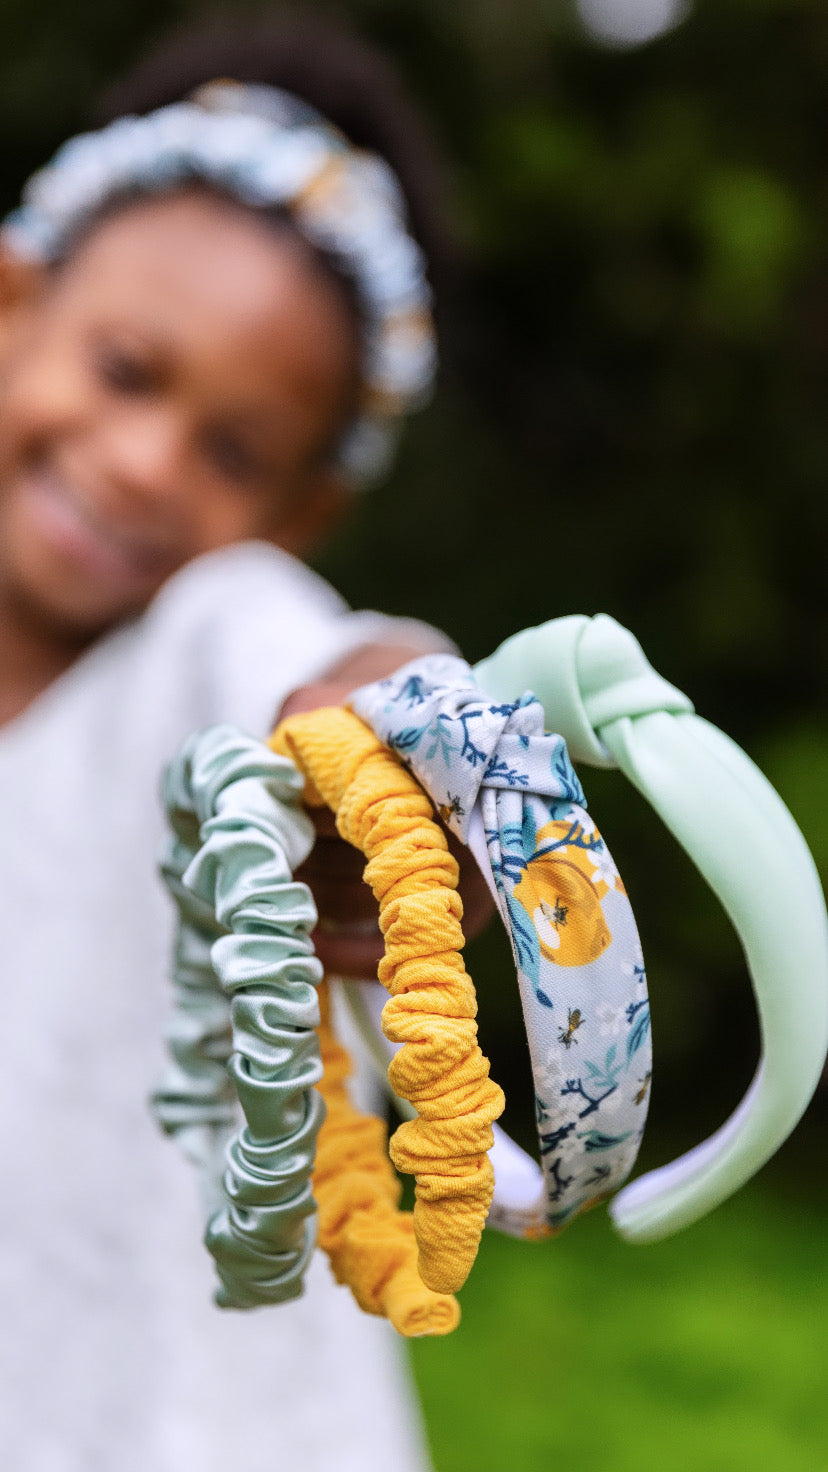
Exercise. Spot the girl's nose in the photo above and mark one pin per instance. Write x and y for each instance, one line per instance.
(144, 459)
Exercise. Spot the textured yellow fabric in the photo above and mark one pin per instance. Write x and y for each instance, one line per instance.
(382, 810)
(370, 1243)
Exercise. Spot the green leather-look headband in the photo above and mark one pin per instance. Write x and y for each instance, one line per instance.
(613, 710)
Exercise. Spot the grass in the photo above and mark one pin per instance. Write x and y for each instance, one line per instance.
(709, 1351)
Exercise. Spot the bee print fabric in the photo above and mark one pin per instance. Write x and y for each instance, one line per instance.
(507, 788)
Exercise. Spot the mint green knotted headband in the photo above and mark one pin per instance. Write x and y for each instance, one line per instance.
(612, 708)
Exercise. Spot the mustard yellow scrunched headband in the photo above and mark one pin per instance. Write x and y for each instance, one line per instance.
(382, 810)
(370, 1243)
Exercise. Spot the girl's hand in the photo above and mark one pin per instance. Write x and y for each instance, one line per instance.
(348, 940)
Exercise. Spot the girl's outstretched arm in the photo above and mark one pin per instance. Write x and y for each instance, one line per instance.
(348, 939)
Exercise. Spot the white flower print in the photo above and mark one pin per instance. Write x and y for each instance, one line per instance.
(546, 928)
(610, 1018)
(559, 1109)
(605, 870)
(571, 1151)
(551, 1076)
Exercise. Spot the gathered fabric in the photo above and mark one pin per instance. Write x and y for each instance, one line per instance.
(369, 1241)
(251, 1031)
(506, 787)
(243, 1028)
(382, 810)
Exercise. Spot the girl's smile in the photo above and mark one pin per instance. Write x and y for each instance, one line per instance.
(68, 521)
(157, 402)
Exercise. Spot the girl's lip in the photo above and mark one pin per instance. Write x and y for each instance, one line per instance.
(65, 520)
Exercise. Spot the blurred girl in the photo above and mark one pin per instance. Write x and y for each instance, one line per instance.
(211, 318)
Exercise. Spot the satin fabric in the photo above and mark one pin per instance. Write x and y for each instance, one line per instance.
(246, 1012)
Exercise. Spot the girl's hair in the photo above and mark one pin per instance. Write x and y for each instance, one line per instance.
(350, 82)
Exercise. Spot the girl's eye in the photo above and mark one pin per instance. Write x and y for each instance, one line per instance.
(231, 456)
(125, 372)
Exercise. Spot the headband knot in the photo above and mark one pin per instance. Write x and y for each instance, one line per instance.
(434, 715)
(587, 672)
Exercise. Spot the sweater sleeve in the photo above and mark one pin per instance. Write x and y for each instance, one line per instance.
(247, 625)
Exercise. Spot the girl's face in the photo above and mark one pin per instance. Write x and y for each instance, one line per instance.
(174, 387)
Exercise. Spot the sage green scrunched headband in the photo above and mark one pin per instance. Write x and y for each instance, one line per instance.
(246, 1010)
(612, 708)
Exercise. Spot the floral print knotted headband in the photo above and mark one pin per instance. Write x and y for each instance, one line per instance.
(507, 788)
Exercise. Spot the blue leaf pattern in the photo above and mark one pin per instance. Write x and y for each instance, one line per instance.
(637, 1036)
(588, 1020)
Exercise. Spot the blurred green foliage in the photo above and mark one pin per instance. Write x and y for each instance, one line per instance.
(631, 415)
(583, 1353)
(632, 419)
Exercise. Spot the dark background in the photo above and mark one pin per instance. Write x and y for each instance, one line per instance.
(631, 416)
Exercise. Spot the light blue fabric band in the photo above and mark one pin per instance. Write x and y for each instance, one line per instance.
(507, 788)
(246, 1009)
(599, 690)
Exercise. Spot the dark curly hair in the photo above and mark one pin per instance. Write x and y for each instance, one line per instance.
(315, 56)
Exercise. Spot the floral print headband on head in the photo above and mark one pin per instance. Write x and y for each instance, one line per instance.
(266, 147)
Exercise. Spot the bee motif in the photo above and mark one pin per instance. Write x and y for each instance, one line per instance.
(641, 1093)
(451, 809)
(563, 903)
(556, 914)
(566, 1035)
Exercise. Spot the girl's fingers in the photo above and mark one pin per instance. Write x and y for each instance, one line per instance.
(349, 952)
